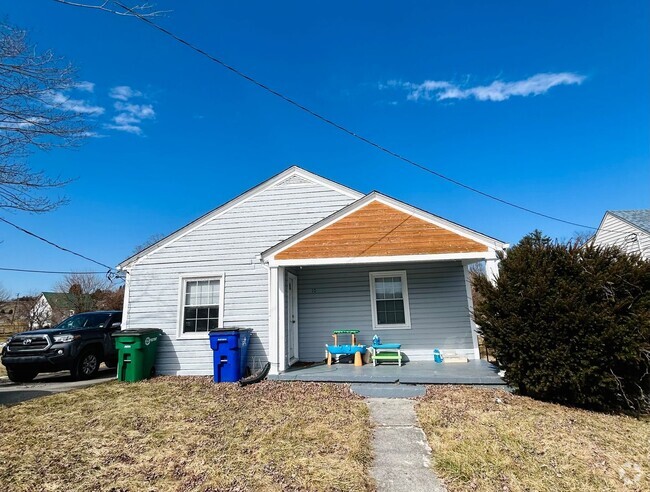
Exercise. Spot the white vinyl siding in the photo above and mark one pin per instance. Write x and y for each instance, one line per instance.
(230, 244)
(616, 232)
(339, 298)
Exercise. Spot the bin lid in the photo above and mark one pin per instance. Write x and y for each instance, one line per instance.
(135, 332)
(234, 328)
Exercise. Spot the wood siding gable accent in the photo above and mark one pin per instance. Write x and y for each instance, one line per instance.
(378, 229)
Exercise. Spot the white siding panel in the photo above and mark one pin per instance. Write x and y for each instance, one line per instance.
(228, 244)
(338, 298)
(617, 232)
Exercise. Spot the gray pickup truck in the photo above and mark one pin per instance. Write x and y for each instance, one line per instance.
(78, 344)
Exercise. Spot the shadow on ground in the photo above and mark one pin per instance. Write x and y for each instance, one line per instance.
(47, 384)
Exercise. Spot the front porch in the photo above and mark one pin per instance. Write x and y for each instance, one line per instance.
(379, 267)
(474, 372)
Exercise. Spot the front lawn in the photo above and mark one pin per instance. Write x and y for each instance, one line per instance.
(487, 440)
(186, 434)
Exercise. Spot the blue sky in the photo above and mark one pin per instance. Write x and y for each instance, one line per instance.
(544, 104)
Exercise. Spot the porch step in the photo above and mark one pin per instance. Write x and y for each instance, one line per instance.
(386, 390)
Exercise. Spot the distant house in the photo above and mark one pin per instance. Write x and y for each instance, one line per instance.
(627, 229)
(50, 308)
(297, 257)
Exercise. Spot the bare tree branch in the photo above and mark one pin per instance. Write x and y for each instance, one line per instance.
(35, 114)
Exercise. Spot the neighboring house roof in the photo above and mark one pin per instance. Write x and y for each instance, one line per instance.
(291, 173)
(58, 300)
(638, 218)
(379, 225)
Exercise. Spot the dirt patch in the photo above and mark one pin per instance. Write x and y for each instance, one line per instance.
(486, 440)
(188, 434)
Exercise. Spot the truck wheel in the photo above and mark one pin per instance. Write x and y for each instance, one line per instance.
(21, 375)
(86, 365)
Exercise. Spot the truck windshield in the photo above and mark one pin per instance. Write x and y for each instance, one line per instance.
(85, 320)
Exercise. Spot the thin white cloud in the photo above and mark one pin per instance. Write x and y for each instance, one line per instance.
(129, 115)
(141, 111)
(136, 130)
(123, 92)
(66, 103)
(498, 90)
(85, 86)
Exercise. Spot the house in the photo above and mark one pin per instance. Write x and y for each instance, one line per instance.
(297, 257)
(627, 229)
(49, 309)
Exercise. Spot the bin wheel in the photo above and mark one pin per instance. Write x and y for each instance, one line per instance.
(86, 365)
(153, 372)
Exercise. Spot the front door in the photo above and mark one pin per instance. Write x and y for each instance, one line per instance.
(292, 317)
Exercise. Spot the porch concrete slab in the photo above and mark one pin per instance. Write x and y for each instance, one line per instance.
(384, 390)
(401, 452)
(413, 372)
(336, 373)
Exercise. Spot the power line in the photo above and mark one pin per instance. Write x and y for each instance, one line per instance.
(341, 127)
(40, 238)
(48, 271)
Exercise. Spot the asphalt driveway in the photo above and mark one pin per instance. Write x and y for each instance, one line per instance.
(47, 384)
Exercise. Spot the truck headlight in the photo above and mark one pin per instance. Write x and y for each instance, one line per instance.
(65, 338)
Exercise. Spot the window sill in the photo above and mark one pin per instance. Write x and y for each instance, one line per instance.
(392, 327)
(205, 335)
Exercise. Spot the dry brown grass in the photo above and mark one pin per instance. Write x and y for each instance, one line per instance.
(3, 370)
(187, 434)
(520, 444)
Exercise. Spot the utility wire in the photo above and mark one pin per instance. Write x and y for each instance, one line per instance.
(110, 269)
(339, 126)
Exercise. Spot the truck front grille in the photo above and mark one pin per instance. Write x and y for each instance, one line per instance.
(29, 343)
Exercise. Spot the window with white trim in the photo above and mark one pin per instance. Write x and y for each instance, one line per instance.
(201, 305)
(390, 300)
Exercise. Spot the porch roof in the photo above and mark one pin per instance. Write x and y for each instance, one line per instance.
(378, 228)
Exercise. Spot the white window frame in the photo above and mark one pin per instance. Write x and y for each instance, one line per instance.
(405, 297)
(181, 303)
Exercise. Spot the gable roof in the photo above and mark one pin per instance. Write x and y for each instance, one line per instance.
(384, 229)
(284, 175)
(637, 218)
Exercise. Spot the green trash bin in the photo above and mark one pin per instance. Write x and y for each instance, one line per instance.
(136, 353)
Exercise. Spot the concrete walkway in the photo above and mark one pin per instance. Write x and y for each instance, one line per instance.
(402, 454)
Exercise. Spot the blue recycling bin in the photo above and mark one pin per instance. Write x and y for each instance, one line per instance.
(229, 353)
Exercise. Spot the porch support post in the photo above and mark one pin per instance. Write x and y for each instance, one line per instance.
(276, 319)
(470, 306)
(492, 270)
(282, 331)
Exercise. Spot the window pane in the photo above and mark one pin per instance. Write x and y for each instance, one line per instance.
(214, 292)
(190, 313)
(201, 325)
(214, 313)
(390, 312)
(202, 313)
(399, 316)
(213, 323)
(380, 288)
